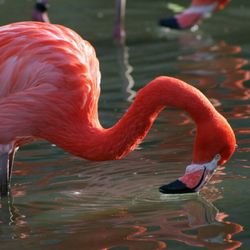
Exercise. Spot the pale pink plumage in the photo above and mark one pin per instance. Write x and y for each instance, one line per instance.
(35, 61)
(49, 89)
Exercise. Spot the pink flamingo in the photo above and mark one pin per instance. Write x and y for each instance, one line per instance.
(191, 16)
(50, 88)
(187, 19)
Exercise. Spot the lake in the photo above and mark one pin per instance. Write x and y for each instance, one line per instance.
(63, 202)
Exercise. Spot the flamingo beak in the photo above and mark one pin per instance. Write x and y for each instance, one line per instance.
(195, 177)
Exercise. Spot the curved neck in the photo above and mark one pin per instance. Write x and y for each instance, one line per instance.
(97, 143)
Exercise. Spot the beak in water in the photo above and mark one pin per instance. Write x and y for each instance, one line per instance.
(195, 177)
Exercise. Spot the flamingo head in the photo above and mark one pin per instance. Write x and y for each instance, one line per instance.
(214, 145)
(40, 11)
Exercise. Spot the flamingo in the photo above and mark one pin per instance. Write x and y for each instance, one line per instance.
(50, 85)
(192, 15)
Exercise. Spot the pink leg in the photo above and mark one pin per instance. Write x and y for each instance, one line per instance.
(119, 30)
(192, 15)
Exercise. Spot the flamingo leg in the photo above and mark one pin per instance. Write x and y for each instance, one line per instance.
(11, 161)
(119, 30)
(7, 153)
(4, 174)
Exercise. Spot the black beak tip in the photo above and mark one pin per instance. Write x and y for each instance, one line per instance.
(176, 187)
(170, 22)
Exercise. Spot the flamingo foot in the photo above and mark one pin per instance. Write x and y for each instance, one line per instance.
(195, 177)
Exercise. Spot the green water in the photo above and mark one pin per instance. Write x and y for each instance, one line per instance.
(63, 202)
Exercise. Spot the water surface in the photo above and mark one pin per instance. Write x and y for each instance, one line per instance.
(62, 202)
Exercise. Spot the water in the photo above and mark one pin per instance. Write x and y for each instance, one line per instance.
(63, 202)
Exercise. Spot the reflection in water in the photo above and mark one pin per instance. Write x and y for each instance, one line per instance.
(13, 224)
(191, 220)
(215, 66)
(143, 224)
(196, 222)
(125, 70)
(62, 203)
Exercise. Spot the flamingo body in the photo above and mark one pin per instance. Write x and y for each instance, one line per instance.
(50, 86)
(34, 64)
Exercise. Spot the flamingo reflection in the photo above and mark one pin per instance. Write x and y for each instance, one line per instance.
(194, 222)
(190, 220)
(197, 223)
(125, 71)
(215, 66)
